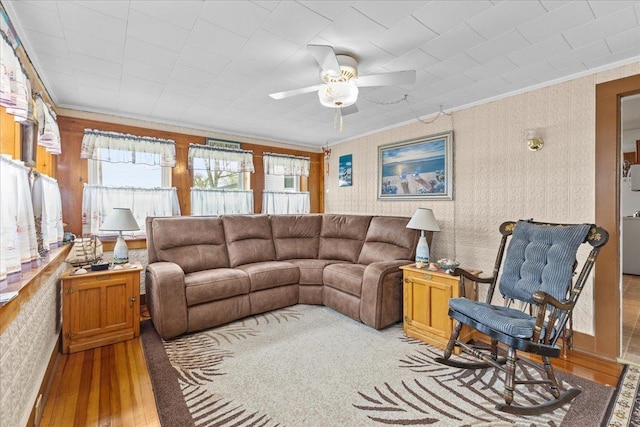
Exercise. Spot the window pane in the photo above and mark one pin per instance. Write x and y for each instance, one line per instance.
(281, 182)
(218, 180)
(131, 175)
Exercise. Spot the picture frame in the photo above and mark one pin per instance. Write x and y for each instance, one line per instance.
(222, 143)
(28, 143)
(417, 169)
(345, 171)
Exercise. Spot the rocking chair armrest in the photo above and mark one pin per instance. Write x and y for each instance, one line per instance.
(468, 275)
(543, 298)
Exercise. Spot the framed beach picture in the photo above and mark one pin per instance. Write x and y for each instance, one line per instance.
(417, 169)
(345, 170)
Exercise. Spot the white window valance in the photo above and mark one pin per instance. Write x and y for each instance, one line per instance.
(204, 157)
(285, 202)
(221, 202)
(98, 201)
(124, 148)
(15, 87)
(282, 164)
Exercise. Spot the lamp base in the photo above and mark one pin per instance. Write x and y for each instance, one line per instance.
(422, 250)
(120, 251)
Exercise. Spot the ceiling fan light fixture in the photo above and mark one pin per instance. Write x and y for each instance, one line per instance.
(338, 95)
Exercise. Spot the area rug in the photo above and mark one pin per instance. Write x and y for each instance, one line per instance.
(624, 409)
(311, 366)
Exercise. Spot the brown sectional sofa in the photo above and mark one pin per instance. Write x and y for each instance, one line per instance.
(207, 271)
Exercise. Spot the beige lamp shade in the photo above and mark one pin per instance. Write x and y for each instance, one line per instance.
(423, 219)
(120, 219)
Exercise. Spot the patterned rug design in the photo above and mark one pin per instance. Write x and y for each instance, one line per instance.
(310, 366)
(624, 409)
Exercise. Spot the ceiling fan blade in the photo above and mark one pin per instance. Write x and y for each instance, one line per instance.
(387, 79)
(294, 92)
(349, 110)
(326, 58)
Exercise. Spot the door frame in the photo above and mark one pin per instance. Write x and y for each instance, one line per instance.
(608, 171)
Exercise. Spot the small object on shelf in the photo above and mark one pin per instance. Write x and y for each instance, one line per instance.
(5, 297)
(80, 271)
(118, 267)
(433, 266)
(419, 264)
(100, 266)
(448, 264)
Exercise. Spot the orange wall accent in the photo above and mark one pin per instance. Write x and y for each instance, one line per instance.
(72, 171)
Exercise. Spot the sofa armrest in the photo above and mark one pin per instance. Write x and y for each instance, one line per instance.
(166, 298)
(381, 297)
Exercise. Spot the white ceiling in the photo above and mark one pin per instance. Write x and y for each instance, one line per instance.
(211, 64)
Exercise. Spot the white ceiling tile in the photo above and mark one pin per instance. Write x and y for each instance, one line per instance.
(49, 45)
(182, 14)
(182, 88)
(219, 91)
(269, 5)
(49, 5)
(235, 79)
(155, 32)
(527, 75)
(490, 69)
(134, 86)
(387, 13)
(603, 8)
(33, 17)
(414, 60)
(371, 58)
(540, 51)
(609, 25)
(554, 4)
(192, 76)
(502, 45)
(578, 56)
(628, 40)
(620, 55)
(294, 22)
(556, 21)
(98, 98)
(404, 36)
(98, 66)
(454, 82)
(91, 46)
(262, 53)
(239, 17)
(450, 43)
(504, 16)
(214, 39)
(352, 25)
(150, 54)
(135, 106)
(94, 80)
(87, 21)
(193, 57)
(145, 71)
(331, 9)
(442, 16)
(116, 9)
(454, 65)
(55, 63)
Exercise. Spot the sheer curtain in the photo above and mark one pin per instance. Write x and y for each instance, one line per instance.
(18, 242)
(125, 148)
(219, 202)
(47, 210)
(98, 201)
(285, 202)
(15, 88)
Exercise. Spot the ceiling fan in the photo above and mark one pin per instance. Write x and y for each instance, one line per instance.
(340, 80)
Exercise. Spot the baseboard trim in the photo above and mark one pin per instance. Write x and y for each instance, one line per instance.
(45, 386)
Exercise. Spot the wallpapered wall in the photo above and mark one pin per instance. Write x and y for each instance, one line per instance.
(496, 178)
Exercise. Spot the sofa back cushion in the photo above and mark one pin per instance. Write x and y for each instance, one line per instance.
(194, 243)
(296, 236)
(342, 236)
(249, 239)
(388, 238)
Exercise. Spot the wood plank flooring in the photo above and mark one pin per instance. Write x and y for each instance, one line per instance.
(110, 386)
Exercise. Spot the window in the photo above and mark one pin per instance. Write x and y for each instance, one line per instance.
(284, 176)
(127, 171)
(282, 182)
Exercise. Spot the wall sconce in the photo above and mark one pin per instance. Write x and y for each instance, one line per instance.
(534, 139)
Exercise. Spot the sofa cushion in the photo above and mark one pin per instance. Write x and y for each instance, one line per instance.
(311, 270)
(342, 236)
(388, 238)
(248, 238)
(271, 274)
(344, 277)
(194, 243)
(296, 236)
(212, 285)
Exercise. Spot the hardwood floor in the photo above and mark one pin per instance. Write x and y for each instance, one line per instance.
(110, 385)
(631, 318)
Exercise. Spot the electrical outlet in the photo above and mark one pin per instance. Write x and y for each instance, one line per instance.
(38, 411)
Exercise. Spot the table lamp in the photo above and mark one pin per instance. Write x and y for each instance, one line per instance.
(423, 220)
(120, 219)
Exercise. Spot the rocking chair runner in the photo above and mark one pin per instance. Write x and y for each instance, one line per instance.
(537, 272)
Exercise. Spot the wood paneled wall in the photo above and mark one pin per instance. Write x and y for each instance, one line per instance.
(72, 171)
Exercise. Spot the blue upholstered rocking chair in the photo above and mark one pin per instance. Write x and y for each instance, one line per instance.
(537, 275)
